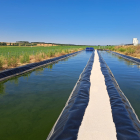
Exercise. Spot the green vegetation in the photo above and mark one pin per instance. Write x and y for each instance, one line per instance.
(19, 50)
(1, 62)
(12, 56)
(130, 50)
(122, 49)
(103, 47)
(12, 61)
(127, 50)
(25, 58)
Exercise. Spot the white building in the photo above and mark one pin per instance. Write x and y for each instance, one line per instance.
(135, 41)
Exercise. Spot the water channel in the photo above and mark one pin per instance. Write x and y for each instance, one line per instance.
(127, 75)
(31, 103)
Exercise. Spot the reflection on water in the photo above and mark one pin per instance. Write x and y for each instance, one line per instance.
(138, 66)
(39, 71)
(31, 103)
(14, 80)
(65, 59)
(50, 66)
(127, 75)
(2, 88)
(26, 75)
(120, 59)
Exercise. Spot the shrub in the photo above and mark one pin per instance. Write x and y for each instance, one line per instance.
(38, 57)
(12, 61)
(130, 50)
(25, 58)
(50, 54)
(43, 55)
(113, 49)
(66, 51)
(8, 62)
(1, 62)
(122, 49)
(75, 50)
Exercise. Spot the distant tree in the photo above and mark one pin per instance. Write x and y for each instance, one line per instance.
(3, 44)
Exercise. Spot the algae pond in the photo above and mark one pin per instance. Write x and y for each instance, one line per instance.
(31, 103)
(127, 75)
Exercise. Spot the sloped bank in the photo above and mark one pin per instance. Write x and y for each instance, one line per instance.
(29, 67)
(133, 59)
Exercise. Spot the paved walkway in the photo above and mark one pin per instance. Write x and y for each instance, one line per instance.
(97, 122)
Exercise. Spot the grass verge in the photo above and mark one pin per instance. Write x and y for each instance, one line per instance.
(16, 56)
(130, 50)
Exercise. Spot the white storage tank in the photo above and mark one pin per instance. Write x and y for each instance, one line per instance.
(135, 41)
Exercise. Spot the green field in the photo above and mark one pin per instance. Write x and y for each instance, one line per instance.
(17, 51)
(13, 56)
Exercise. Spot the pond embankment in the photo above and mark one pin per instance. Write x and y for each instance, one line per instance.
(129, 50)
(26, 68)
(11, 57)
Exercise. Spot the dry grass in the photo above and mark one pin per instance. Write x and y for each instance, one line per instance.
(1, 62)
(11, 62)
(131, 50)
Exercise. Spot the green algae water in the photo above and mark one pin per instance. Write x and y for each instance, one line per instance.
(31, 103)
(127, 75)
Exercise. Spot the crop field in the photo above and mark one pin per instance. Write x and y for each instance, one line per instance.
(13, 56)
(18, 51)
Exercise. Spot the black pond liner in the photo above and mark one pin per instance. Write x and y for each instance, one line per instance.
(29, 67)
(126, 121)
(136, 60)
(69, 121)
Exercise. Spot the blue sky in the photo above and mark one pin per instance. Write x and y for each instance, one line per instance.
(87, 22)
